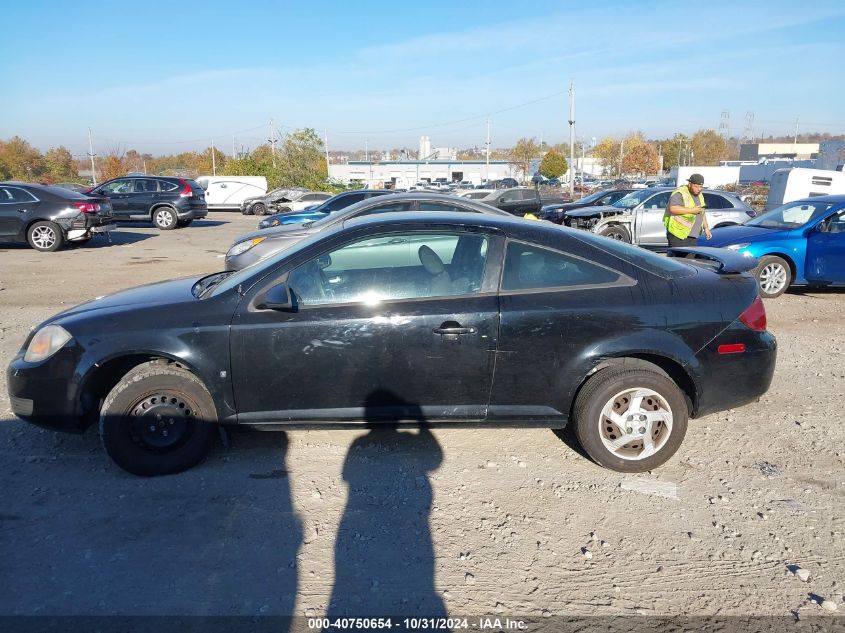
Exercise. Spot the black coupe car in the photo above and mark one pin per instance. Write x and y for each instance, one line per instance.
(427, 319)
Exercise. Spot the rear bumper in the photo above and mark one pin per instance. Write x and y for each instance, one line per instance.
(192, 211)
(733, 380)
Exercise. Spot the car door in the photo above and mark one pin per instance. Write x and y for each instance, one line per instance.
(649, 219)
(144, 195)
(367, 317)
(16, 208)
(719, 209)
(509, 201)
(825, 261)
(119, 192)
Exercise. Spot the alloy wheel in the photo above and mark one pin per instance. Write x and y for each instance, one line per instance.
(635, 424)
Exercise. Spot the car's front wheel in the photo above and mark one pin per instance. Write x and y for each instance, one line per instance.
(165, 218)
(773, 275)
(45, 236)
(616, 232)
(630, 419)
(259, 208)
(158, 420)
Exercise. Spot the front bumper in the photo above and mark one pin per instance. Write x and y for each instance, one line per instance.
(46, 393)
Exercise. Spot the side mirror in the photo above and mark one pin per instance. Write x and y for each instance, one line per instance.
(277, 298)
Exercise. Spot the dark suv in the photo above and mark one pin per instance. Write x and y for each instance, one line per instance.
(166, 202)
(49, 217)
(518, 200)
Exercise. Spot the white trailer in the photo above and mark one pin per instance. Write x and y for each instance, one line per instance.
(787, 185)
(714, 177)
(229, 192)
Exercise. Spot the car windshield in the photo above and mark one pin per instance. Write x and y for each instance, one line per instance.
(632, 199)
(791, 216)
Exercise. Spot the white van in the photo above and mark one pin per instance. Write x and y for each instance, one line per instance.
(228, 192)
(795, 183)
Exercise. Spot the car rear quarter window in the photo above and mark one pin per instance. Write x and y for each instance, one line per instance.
(166, 185)
(648, 261)
(530, 267)
(390, 207)
(443, 206)
(11, 195)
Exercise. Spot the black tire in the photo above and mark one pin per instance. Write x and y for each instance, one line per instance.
(158, 420)
(259, 208)
(165, 218)
(247, 210)
(616, 232)
(45, 236)
(615, 387)
(773, 276)
(184, 223)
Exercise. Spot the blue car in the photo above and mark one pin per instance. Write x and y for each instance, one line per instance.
(801, 243)
(318, 212)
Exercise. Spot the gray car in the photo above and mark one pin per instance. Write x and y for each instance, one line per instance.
(637, 218)
(257, 245)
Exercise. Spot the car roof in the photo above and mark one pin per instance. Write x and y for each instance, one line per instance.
(505, 222)
(60, 192)
(833, 198)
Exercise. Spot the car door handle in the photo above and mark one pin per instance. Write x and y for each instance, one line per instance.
(398, 241)
(454, 330)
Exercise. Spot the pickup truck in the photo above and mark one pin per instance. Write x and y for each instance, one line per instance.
(637, 218)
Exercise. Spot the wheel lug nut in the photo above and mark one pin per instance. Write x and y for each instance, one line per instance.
(642, 429)
(629, 430)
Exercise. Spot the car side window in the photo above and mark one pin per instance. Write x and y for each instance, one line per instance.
(124, 185)
(510, 196)
(658, 201)
(145, 185)
(528, 194)
(713, 201)
(530, 267)
(834, 224)
(396, 266)
(345, 201)
(15, 195)
(390, 207)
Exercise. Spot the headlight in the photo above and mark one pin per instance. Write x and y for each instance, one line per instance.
(243, 247)
(736, 247)
(46, 342)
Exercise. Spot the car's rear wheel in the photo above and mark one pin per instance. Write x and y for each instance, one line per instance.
(259, 208)
(158, 420)
(773, 276)
(616, 232)
(45, 236)
(630, 419)
(165, 218)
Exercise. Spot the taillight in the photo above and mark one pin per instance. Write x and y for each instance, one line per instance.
(187, 192)
(87, 207)
(754, 316)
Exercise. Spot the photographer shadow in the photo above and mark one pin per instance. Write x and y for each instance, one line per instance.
(384, 556)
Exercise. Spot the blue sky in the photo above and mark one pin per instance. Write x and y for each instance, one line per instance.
(166, 77)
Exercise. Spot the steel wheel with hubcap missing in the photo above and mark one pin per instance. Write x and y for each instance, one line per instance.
(259, 208)
(158, 420)
(616, 232)
(774, 276)
(45, 236)
(164, 218)
(630, 418)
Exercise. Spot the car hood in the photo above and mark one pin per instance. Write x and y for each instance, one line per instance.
(586, 212)
(742, 233)
(163, 292)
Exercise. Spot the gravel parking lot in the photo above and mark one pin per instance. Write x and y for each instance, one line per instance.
(465, 522)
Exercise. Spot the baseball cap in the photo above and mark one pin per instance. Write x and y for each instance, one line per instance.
(696, 179)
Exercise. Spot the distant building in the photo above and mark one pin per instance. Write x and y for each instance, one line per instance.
(757, 151)
(403, 174)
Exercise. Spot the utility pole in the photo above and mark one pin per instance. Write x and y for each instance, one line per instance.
(795, 140)
(583, 160)
(213, 160)
(145, 166)
(91, 154)
(326, 137)
(367, 150)
(571, 138)
(487, 144)
(234, 152)
(272, 141)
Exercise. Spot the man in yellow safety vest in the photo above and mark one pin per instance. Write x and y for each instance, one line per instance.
(685, 218)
